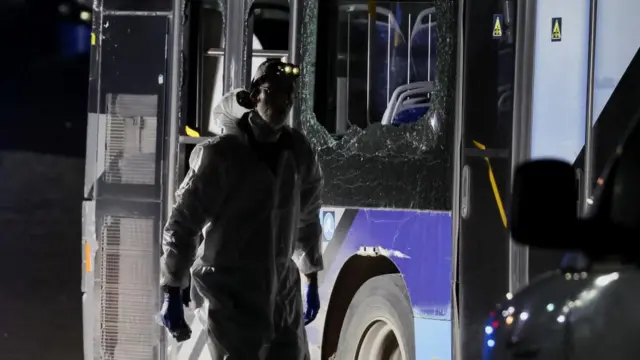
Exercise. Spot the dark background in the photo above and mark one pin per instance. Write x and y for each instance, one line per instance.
(43, 98)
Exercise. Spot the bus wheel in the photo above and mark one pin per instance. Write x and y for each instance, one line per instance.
(379, 322)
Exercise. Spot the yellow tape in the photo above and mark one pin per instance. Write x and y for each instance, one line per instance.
(190, 132)
(494, 185)
(372, 9)
(93, 39)
(496, 194)
(87, 257)
(479, 145)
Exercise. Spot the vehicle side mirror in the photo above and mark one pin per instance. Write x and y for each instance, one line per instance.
(544, 206)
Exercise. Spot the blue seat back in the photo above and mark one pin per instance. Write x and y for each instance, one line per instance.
(410, 115)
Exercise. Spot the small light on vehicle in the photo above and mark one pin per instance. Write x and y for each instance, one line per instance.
(495, 324)
(491, 343)
(576, 276)
(550, 307)
(509, 296)
(488, 330)
(511, 310)
(85, 15)
(524, 315)
(561, 319)
(508, 320)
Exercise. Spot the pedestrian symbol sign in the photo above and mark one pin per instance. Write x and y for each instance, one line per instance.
(497, 26)
(556, 29)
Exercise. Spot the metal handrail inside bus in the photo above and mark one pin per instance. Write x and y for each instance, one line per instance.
(391, 22)
(419, 26)
(424, 13)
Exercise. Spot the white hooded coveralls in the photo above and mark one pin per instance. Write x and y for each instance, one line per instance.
(257, 226)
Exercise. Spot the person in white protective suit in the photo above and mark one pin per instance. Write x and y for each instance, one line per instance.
(254, 192)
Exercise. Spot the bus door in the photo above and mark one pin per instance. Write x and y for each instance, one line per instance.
(580, 110)
(217, 39)
(488, 45)
(122, 211)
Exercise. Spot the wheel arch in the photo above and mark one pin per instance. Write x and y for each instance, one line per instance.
(356, 271)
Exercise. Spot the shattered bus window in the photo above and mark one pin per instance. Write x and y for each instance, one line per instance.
(384, 111)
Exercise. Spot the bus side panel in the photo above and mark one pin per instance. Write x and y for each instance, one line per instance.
(420, 245)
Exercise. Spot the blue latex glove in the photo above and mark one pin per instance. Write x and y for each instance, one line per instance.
(172, 315)
(312, 299)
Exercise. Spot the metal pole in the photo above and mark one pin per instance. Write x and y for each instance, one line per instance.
(217, 52)
(370, 47)
(429, 52)
(524, 46)
(200, 121)
(409, 53)
(457, 174)
(388, 58)
(173, 131)
(234, 45)
(348, 63)
(588, 145)
(174, 93)
(295, 55)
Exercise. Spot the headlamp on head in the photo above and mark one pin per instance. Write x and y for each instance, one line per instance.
(275, 70)
(286, 69)
(291, 70)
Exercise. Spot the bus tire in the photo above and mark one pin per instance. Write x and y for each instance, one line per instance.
(379, 322)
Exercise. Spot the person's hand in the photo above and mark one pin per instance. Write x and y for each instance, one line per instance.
(172, 315)
(186, 295)
(312, 299)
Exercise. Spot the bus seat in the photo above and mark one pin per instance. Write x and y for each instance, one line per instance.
(402, 99)
(416, 100)
(402, 93)
(410, 114)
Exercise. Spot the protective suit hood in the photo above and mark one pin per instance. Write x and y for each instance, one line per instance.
(225, 115)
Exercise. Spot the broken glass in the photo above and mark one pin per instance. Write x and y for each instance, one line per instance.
(399, 164)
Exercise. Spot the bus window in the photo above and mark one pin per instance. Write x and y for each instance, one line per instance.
(270, 25)
(376, 94)
(373, 62)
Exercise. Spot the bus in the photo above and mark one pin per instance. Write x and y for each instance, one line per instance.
(419, 112)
